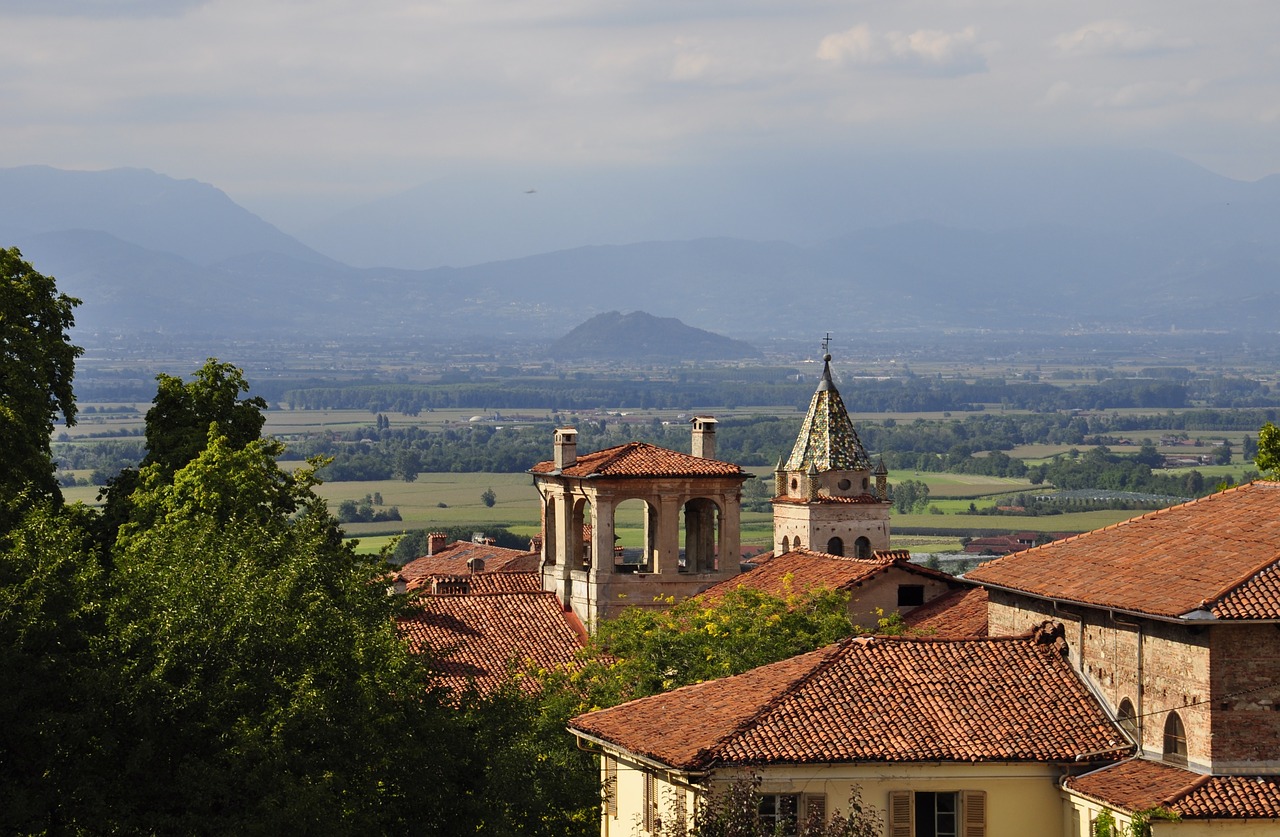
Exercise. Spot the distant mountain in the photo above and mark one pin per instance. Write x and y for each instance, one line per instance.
(1167, 246)
(640, 336)
(502, 213)
(185, 218)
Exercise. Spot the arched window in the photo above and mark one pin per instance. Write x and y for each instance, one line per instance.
(786, 544)
(835, 546)
(862, 548)
(1175, 740)
(1128, 718)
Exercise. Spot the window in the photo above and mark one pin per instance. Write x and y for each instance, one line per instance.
(862, 548)
(1128, 719)
(910, 595)
(786, 544)
(938, 814)
(1175, 740)
(779, 812)
(844, 485)
(835, 546)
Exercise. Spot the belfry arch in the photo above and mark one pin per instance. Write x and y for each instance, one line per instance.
(691, 519)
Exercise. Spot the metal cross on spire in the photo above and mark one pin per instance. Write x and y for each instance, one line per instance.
(826, 344)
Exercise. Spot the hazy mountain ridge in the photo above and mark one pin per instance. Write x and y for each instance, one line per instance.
(1192, 250)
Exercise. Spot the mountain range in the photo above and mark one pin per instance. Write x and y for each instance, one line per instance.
(1034, 243)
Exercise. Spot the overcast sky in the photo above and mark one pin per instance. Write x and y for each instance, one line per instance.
(296, 104)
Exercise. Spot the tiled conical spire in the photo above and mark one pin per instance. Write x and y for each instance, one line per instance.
(827, 439)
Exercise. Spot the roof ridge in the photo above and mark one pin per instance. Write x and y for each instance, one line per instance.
(1235, 585)
(829, 655)
(1186, 791)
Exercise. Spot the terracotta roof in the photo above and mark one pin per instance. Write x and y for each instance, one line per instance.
(640, 459)
(476, 583)
(476, 638)
(1216, 554)
(873, 699)
(960, 614)
(827, 439)
(452, 560)
(1138, 784)
(803, 569)
(800, 570)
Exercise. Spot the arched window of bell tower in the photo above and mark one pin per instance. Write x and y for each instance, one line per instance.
(835, 546)
(862, 548)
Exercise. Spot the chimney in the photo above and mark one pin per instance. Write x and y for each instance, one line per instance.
(475, 565)
(436, 542)
(566, 447)
(704, 436)
(488, 541)
(535, 544)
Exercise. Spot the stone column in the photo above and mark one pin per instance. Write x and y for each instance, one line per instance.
(667, 559)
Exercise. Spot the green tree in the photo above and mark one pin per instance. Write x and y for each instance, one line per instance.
(56, 687)
(267, 690)
(488, 497)
(1268, 458)
(648, 651)
(178, 427)
(37, 364)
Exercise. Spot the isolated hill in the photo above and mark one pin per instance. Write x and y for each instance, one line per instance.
(640, 336)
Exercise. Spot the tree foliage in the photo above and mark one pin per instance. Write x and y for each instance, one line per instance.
(731, 809)
(37, 365)
(178, 426)
(267, 689)
(1268, 456)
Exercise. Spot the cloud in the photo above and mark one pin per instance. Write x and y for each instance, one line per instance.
(925, 51)
(1146, 95)
(1118, 38)
(102, 9)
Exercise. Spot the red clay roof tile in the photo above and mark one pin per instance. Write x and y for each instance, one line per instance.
(960, 614)
(452, 560)
(878, 699)
(640, 459)
(1217, 553)
(475, 638)
(1138, 784)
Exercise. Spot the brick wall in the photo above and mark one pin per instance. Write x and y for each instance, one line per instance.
(1245, 665)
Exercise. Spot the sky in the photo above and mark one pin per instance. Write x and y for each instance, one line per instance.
(296, 108)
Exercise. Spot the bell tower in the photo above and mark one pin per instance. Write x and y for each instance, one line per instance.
(825, 496)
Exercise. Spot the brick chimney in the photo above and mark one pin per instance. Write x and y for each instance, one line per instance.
(535, 544)
(475, 565)
(436, 542)
(704, 436)
(566, 447)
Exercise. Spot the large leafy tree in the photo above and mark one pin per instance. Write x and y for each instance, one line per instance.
(37, 364)
(56, 689)
(177, 430)
(267, 690)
